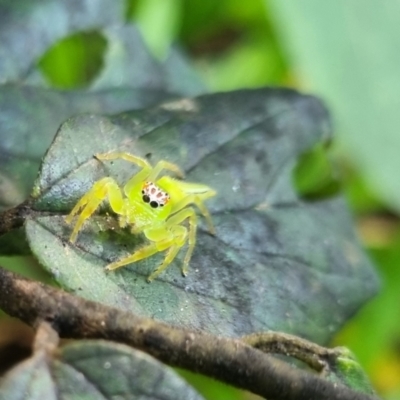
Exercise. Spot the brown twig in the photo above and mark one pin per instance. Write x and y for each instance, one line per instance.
(317, 357)
(227, 360)
(14, 217)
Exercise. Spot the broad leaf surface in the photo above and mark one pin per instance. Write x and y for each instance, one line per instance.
(94, 370)
(31, 113)
(276, 262)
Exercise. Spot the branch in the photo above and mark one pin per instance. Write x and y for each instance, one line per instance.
(14, 217)
(317, 357)
(227, 360)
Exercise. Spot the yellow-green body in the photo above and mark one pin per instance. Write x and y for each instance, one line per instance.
(153, 205)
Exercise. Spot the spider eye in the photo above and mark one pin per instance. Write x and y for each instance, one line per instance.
(153, 195)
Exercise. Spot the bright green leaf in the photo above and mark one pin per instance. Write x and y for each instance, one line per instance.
(348, 52)
(158, 22)
(349, 372)
(74, 61)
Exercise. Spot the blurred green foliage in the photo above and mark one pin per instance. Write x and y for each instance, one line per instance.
(74, 61)
(348, 52)
(214, 390)
(374, 335)
(237, 44)
(315, 175)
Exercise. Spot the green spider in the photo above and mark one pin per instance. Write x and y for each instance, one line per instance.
(152, 205)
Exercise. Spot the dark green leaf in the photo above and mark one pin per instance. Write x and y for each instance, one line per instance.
(94, 370)
(33, 116)
(129, 64)
(29, 27)
(30, 115)
(276, 262)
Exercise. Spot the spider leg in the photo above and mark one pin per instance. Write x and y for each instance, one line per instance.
(173, 240)
(147, 172)
(198, 202)
(139, 161)
(162, 164)
(142, 162)
(174, 221)
(104, 188)
(150, 174)
(143, 252)
(180, 235)
(167, 240)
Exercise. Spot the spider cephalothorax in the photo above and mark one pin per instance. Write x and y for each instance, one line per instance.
(151, 205)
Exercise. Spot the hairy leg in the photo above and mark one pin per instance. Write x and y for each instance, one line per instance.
(172, 240)
(147, 172)
(102, 189)
(139, 161)
(197, 201)
(179, 238)
(174, 221)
